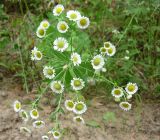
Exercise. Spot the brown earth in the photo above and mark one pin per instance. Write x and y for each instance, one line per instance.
(141, 123)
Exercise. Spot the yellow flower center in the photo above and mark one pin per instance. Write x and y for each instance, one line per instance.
(59, 10)
(63, 27)
(83, 22)
(110, 50)
(77, 83)
(18, 105)
(73, 16)
(38, 54)
(79, 106)
(125, 105)
(45, 24)
(60, 44)
(97, 61)
(38, 123)
(50, 72)
(75, 59)
(107, 45)
(117, 92)
(70, 104)
(34, 113)
(103, 50)
(78, 119)
(131, 87)
(41, 32)
(56, 133)
(57, 86)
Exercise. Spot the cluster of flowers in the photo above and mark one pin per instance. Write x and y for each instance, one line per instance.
(34, 115)
(127, 93)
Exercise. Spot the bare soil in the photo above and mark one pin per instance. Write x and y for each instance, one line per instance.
(141, 123)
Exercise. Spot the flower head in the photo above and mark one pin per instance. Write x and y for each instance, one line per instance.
(111, 50)
(83, 22)
(44, 24)
(49, 72)
(79, 107)
(125, 106)
(57, 86)
(45, 137)
(73, 15)
(25, 131)
(107, 44)
(117, 92)
(38, 124)
(58, 9)
(56, 134)
(131, 88)
(69, 104)
(23, 114)
(77, 83)
(41, 32)
(62, 27)
(76, 59)
(60, 44)
(103, 50)
(17, 106)
(78, 119)
(34, 114)
(98, 62)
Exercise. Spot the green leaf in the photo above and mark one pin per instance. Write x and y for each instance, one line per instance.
(109, 116)
(93, 123)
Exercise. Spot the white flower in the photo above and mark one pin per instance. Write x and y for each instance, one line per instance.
(73, 15)
(76, 59)
(77, 84)
(56, 134)
(131, 88)
(25, 130)
(60, 44)
(62, 27)
(117, 92)
(57, 86)
(115, 31)
(83, 22)
(111, 50)
(34, 114)
(45, 137)
(98, 62)
(41, 32)
(35, 54)
(49, 72)
(125, 106)
(103, 50)
(78, 119)
(103, 69)
(126, 57)
(44, 24)
(107, 44)
(58, 9)
(79, 107)
(38, 124)
(17, 106)
(23, 114)
(69, 104)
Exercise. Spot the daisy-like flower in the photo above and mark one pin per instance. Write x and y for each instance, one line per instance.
(107, 44)
(131, 88)
(60, 44)
(83, 22)
(23, 114)
(49, 72)
(17, 106)
(41, 32)
(44, 24)
(111, 50)
(125, 106)
(76, 59)
(25, 131)
(62, 27)
(58, 9)
(117, 92)
(56, 134)
(78, 119)
(57, 86)
(34, 114)
(79, 107)
(38, 124)
(38, 55)
(33, 52)
(45, 137)
(69, 104)
(77, 83)
(73, 15)
(103, 50)
(98, 62)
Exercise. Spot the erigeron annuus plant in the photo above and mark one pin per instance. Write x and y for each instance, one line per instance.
(68, 65)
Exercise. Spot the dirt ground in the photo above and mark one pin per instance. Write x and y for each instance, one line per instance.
(141, 123)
